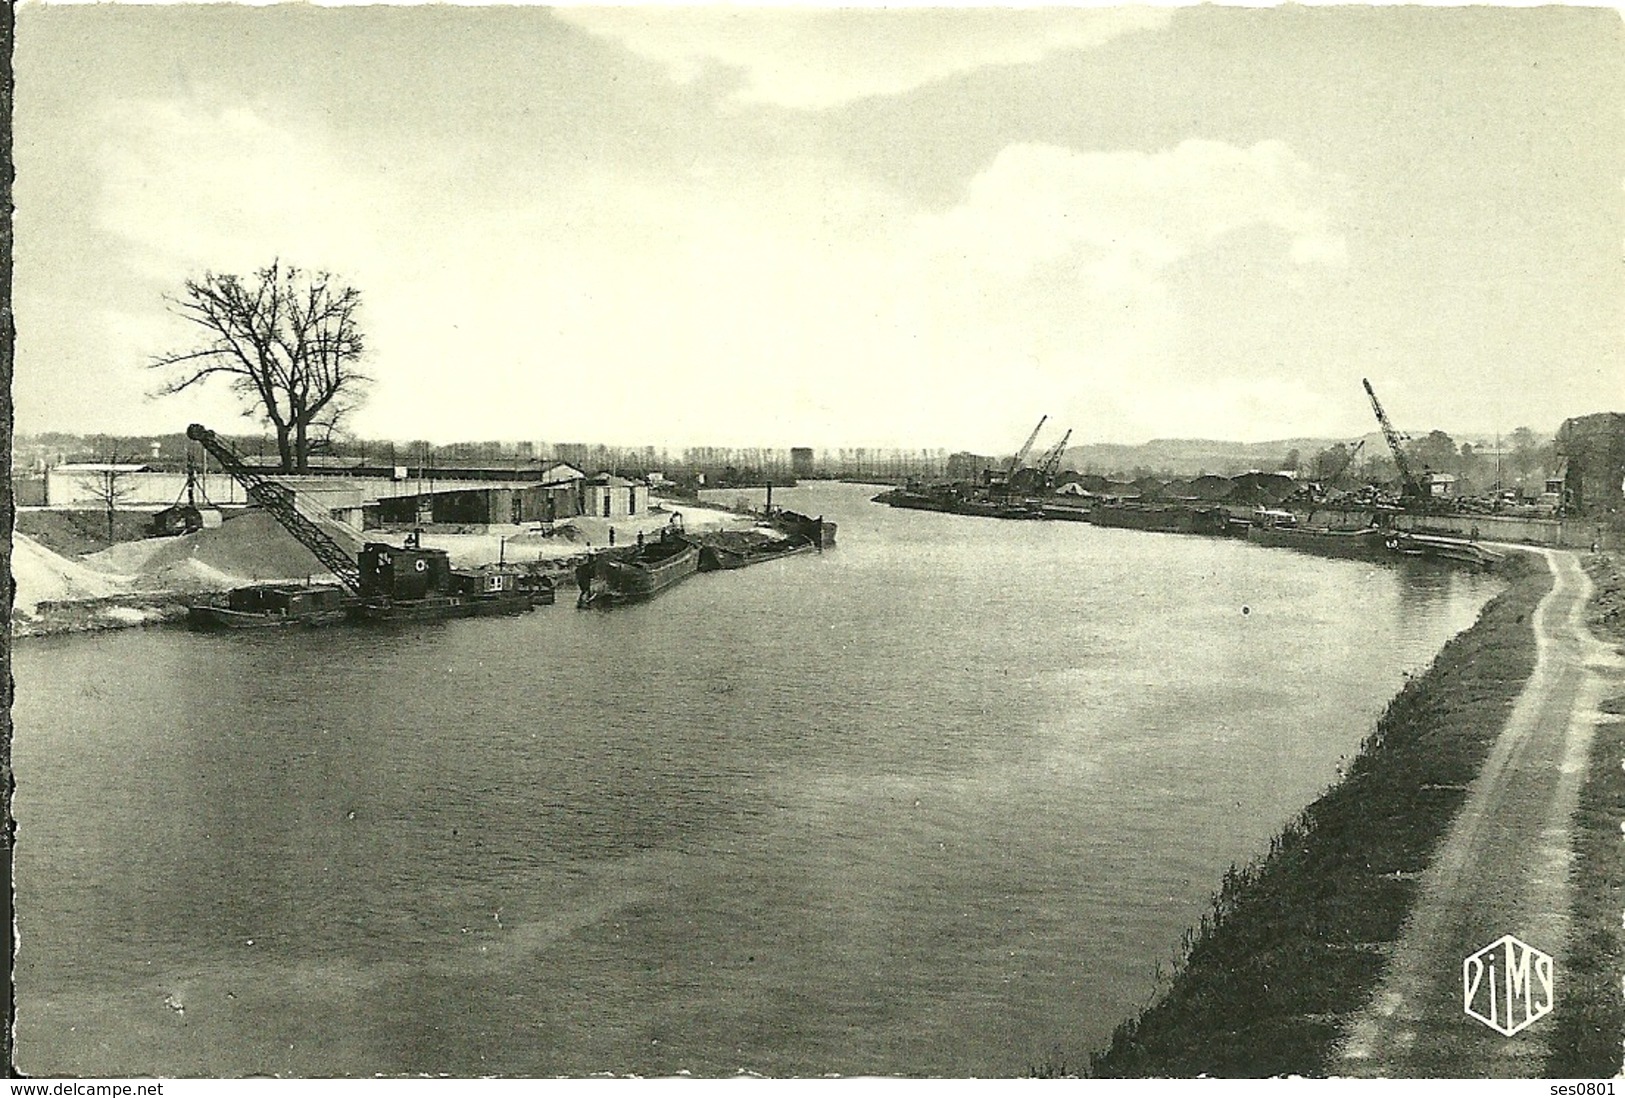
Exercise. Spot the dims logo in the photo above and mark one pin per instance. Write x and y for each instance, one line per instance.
(1507, 985)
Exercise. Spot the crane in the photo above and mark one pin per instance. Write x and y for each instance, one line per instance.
(278, 499)
(1408, 485)
(1050, 463)
(1026, 447)
(1347, 463)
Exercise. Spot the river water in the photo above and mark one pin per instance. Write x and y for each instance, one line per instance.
(936, 802)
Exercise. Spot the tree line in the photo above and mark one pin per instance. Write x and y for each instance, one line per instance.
(1524, 460)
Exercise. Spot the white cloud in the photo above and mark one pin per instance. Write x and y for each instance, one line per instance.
(193, 185)
(1126, 215)
(807, 58)
(742, 303)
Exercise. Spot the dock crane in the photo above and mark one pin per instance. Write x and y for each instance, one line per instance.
(1050, 463)
(1026, 448)
(278, 499)
(1331, 476)
(1409, 488)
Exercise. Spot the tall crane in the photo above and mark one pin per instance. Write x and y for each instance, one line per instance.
(1409, 486)
(278, 499)
(1026, 447)
(1050, 463)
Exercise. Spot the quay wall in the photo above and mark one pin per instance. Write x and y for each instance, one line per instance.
(1566, 533)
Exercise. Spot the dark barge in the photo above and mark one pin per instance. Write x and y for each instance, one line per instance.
(724, 552)
(616, 577)
(1367, 543)
(273, 606)
(395, 584)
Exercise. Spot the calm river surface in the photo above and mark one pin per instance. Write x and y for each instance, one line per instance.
(936, 802)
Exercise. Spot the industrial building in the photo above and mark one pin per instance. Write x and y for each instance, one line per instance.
(1592, 450)
(569, 494)
(609, 496)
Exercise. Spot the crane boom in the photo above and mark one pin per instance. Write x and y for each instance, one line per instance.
(1026, 447)
(278, 499)
(1395, 441)
(1348, 462)
(1051, 462)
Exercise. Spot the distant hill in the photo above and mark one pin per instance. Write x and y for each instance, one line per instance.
(1194, 456)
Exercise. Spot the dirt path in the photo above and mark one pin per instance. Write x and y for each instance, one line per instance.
(1503, 867)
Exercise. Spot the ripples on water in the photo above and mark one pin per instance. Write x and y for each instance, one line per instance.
(936, 802)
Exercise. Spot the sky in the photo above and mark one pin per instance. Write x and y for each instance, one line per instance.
(802, 226)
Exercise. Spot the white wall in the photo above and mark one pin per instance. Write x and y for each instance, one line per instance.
(69, 488)
(618, 499)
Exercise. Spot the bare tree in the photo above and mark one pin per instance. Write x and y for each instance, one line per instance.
(287, 341)
(109, 485)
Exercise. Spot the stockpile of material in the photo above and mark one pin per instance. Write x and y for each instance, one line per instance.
(44, 576)
(247, 548)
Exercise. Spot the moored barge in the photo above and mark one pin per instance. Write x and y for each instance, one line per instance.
(395, 584)
(273, 606)
(819, 531)
(614, 578)
(1436, 547)
(1367, 543)
(729, 551)
(1161, 518)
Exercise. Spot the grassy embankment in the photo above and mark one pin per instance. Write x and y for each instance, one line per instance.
(1588, 1020)
(76, 533)
(1294, 943)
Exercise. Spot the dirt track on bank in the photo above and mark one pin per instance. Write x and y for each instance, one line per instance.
(1502, 869)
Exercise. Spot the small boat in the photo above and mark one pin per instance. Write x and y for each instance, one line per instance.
(273, 606)
(616, 577)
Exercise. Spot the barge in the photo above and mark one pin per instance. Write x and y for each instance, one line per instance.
(729, 551)
(1368, 543)
(1162, 518)
(1435, 547)
(614, 578)
(395, 584)
(954, 502)
(820, 532)
(273, 606)
(381, 583)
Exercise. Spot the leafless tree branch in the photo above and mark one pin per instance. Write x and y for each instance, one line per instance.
(287, 342)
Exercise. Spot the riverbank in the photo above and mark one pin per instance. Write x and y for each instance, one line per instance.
(149, 581)
(1295, 942)
(1589, 1017)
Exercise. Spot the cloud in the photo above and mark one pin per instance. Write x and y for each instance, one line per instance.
(194, 184)
(1056, 273)
(1124, 216)
(812, 59)
(742, 301)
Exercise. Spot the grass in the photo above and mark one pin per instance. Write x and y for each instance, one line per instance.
(74, 533)
(1588, 1020)
(1294, 942)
